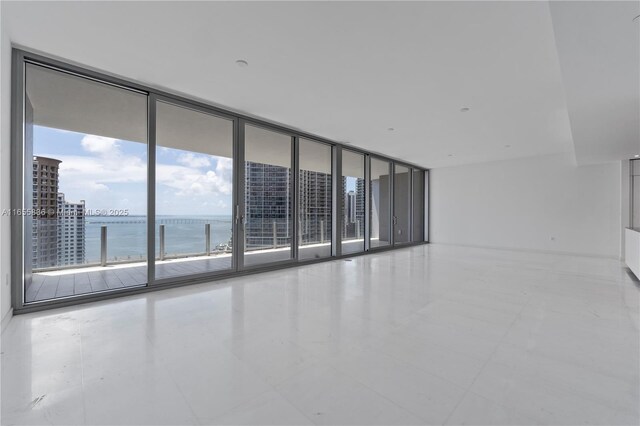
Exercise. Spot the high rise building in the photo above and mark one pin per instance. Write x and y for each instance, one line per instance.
(360, 203)
(353, 209)
(269, 209)
(58, 227)
(268, 205)
(350, 207)
(315, 207)
(45, 218)
(71, 232)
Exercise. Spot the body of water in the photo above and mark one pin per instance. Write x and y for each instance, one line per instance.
(127, 236)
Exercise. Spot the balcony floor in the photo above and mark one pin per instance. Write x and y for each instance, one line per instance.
(70, 282)
(76, 281)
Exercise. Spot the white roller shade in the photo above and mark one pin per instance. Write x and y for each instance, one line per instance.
(315, 156)
(352, 164)
(379, 168)
(68, 102)
(194, 131)
(267, 147)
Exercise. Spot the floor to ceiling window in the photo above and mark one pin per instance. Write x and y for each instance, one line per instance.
(314, 200)
(352, 215)
(417, 220)
(380, 210)
(119, 186)
(194, 203)
(86, 185)
(268, 187)
(401, 204)
(635, 194)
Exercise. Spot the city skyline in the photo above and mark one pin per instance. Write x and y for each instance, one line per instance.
(112, 174)
(268, 201)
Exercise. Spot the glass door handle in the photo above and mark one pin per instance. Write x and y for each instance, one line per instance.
(239, 216)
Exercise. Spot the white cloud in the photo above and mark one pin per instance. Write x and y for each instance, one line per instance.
(100, 145)
(91, 176)
(224, 166)
(187, 181)
(195, 161)
(104, 182)
(107, 177)
(93, 186)
(88, 171)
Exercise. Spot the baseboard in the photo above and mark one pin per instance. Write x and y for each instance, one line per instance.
(6, 319)
(527, 250)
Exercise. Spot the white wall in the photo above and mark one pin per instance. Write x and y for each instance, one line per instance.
(539, 203)
(5, 137)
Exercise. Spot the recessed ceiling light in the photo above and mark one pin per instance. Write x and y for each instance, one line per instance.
(242, 63)
(637, 156)
(464, 109)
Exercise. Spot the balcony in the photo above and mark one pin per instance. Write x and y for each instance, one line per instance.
(118, 273)
(54, 283)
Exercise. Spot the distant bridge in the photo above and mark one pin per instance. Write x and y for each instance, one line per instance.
(173, 221)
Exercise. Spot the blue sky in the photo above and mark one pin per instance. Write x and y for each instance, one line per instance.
(111, 174)
(351, 183)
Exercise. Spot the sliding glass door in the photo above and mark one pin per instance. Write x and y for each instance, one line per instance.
(268, 196)
(194, 191)
(380, 202)
(352, 215)
(314, 199)
(401, 204)
(418, 206)
(85, 186)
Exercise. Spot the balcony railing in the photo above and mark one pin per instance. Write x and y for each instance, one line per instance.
(276, 241)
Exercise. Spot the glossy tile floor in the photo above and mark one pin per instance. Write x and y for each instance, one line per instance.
(425, 335)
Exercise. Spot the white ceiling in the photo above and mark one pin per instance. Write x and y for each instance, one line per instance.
(348, 71)
(599, 50)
